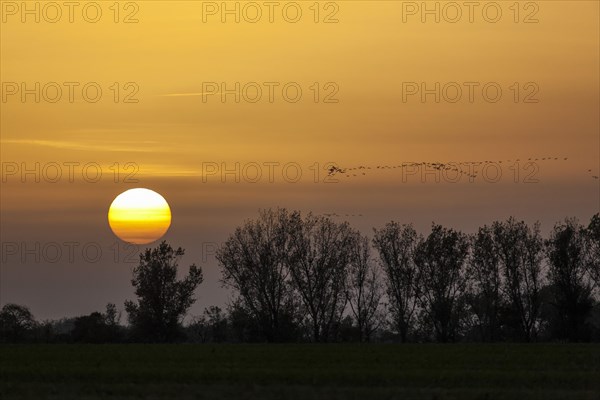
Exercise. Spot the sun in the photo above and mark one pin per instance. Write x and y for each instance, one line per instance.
(139, 216)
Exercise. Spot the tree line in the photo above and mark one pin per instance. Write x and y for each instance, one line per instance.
(308, 278)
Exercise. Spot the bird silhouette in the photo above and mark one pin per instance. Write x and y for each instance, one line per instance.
(334, 169)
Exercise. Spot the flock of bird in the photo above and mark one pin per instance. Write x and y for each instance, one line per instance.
(336, 215)
(454, 167)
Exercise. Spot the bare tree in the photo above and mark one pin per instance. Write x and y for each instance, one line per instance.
(396, 245)
(571, 292)
(485, 292)
(319, 268)
(520, 249)
(254, 262)
(592, 249)
(364, 290)
(440, 260)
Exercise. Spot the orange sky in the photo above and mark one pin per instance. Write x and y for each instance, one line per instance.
(173, 134)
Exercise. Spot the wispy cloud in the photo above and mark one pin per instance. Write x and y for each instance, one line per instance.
(130, 146)
(169, 171)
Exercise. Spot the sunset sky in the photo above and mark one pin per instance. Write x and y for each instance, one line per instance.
(179, 130)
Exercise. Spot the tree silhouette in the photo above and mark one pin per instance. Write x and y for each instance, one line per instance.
(98, 327)
(319, 266)
(16, 323)
(571, 293)
(396, 245)
(520, 249)
(162, 299)
(485, 294)
(440, 260)
(592, 249)
(364, 290)
(254, 262)
(112, 316)
(212, 326)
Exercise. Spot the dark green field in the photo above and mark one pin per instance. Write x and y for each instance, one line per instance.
(300, 372)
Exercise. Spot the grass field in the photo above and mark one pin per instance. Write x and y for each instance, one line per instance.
(304, 372)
